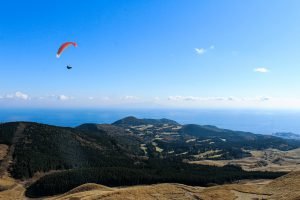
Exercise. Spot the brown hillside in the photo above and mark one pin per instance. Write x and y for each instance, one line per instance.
(283, 188)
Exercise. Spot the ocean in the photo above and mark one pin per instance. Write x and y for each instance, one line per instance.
(256, 121)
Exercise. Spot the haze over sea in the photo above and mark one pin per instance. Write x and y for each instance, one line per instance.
(257, 121)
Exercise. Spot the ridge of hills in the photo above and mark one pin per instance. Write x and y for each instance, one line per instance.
(130, 151)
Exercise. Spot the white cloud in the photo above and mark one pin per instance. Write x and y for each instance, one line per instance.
(21, 95)
(17, 95)
(261, 70)
(46, 98)
(63, 97)
(200, 51)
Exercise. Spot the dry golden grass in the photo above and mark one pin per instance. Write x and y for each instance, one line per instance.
(3, 151)
(89, 187)
(10, 189)
(6, 183)
(283, 188)
(267, 160)
(158, 191)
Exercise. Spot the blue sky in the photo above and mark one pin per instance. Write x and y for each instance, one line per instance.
(151, 53)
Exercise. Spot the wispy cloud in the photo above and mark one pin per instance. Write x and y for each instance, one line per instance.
(21, 95)
(261, 70)
(201, 51)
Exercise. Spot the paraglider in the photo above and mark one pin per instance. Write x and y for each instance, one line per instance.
(62, 49)
(69, 67)
(64, 46)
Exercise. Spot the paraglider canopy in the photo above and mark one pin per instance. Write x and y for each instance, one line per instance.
(64, 46)
(69, 67)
